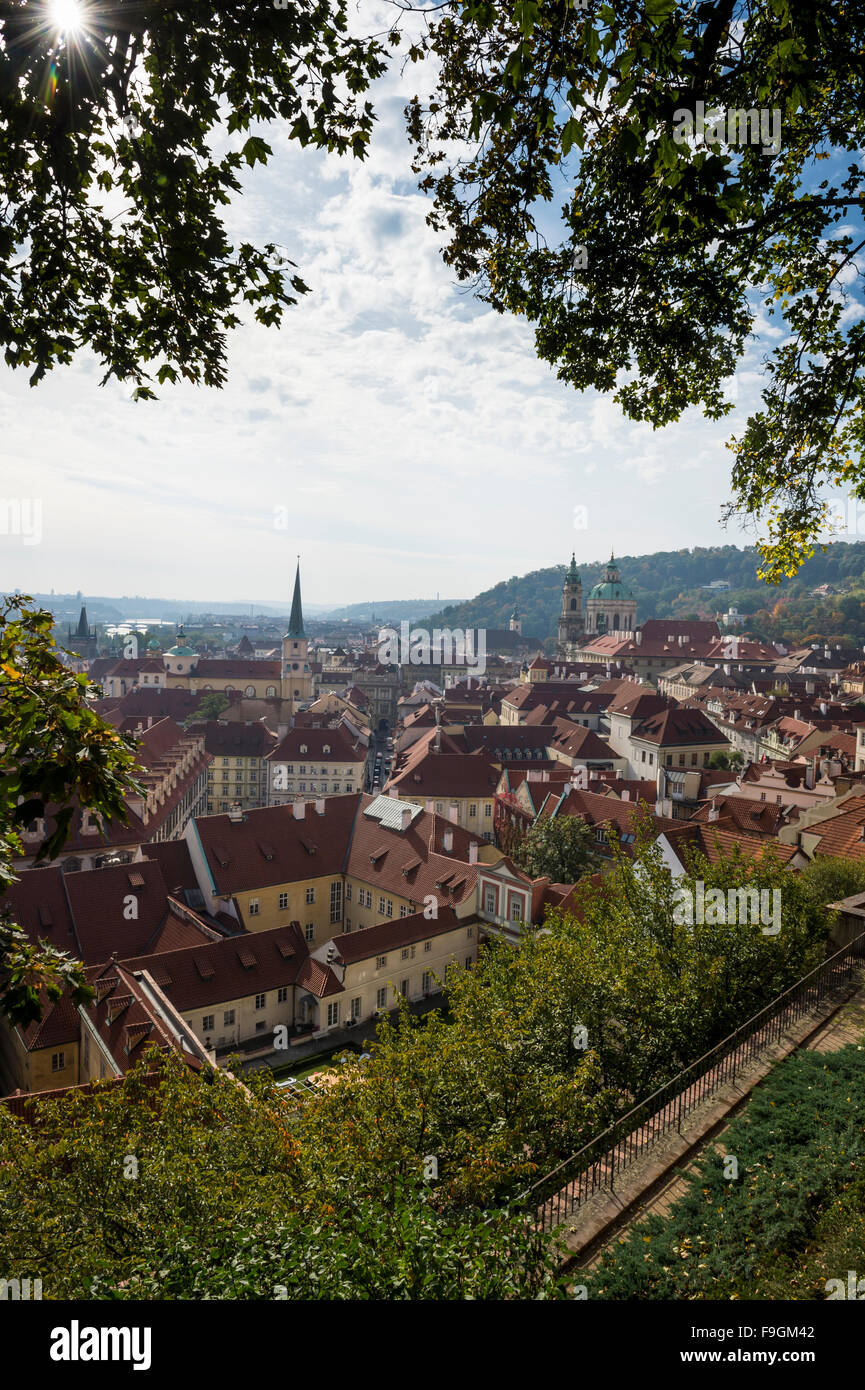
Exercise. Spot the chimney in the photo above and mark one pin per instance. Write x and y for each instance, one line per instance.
(626, 795)
(404, 817)
(299, 810)
(797, 714)
(473, 852)
(281, 731)
(319, 805)
(448, 841)
(638, 636)
(235, 814)
(714, 813)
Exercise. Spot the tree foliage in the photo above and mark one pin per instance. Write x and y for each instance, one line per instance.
(669, 252)
(121, 143)
(55, 752)
(559, 848)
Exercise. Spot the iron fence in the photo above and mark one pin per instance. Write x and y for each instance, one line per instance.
(596, 1166)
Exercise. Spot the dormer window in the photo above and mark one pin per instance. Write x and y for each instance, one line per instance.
(326, 749)
(303, 748)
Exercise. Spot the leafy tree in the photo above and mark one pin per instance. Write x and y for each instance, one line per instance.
(828, 879)
(723, 759)
(123, 138)
(212, 705)
(559, 848)
(197, 1187)
(669, 250)
(55, 751)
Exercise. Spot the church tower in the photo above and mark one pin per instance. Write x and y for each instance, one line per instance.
(610, 606)
(571, 619)
(296, 675)
(516, 622)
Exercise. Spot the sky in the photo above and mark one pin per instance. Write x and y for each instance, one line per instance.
(401, 437)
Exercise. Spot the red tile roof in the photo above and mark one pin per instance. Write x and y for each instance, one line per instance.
(392, 936)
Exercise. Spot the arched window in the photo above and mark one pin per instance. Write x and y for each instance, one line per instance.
(250, 690)
(573, 603)
(228, 688)
(271, 690)
(616, 622)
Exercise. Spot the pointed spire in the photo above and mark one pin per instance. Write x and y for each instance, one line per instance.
(572, 576)
(295, 622)
(83, 629)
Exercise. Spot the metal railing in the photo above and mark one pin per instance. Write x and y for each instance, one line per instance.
(633, 1134)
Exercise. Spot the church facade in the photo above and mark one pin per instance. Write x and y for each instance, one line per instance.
(290, 678)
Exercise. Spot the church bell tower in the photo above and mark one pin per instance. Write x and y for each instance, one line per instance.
(571, 619)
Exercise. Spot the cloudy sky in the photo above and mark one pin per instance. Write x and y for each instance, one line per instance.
(400, 436)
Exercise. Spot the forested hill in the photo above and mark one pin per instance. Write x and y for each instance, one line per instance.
(670, 583)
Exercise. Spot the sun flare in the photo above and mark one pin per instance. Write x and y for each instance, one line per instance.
(67, 16)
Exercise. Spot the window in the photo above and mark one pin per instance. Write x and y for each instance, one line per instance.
(283, 902)
(427, 945)
(516, 912)
(282, 994)
(227, 1017)
(260, 1027)
(348, 924)
(403, 988)
(404, 953)
(381, 906)
(254, 906)
(303, 748)
(488, 809)
(439, 807)
(380, 962)
(389, 908)
(332, 1014)
(651, 760)
(348, 892)
(473, 810)
(207, 1023)
(762, 796)
(470, 931)
(381, 998)
(643, 755)
(259, 1000)
(310, 895)
(309, 931)
(335, 901)
(403, 910)
(58, 1061)
(355, 1008)
(368, 898)
(490, 897)
(426, 981)
(681, 760)
(225, 762)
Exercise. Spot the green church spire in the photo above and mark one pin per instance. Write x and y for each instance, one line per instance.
(295, 622)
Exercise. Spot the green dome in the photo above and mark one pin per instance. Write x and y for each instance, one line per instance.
(610, 590)
(153, 645)
(181, 649)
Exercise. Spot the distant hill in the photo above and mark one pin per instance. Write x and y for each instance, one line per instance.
(387, 610)
(671, 583)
